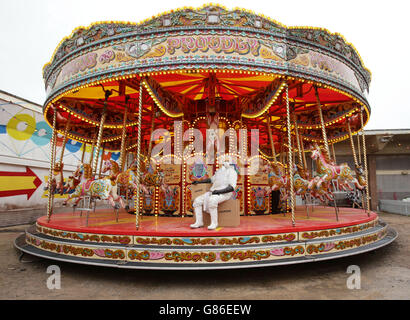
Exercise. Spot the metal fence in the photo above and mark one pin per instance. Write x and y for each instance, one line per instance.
(395, 206)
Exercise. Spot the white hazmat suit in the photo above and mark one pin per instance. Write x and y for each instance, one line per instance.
(225, 177)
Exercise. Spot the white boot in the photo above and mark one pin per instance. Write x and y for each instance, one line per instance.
(199, 222)
(214, 219)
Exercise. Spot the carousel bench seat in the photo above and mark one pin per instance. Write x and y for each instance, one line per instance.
(228, 211)
(228, 214)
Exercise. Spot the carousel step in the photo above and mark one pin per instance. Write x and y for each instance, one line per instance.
(253, 246)
(20, 243)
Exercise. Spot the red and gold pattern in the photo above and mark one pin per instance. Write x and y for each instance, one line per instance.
(85, 236)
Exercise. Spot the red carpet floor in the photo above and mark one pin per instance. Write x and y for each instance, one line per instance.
(103, 222)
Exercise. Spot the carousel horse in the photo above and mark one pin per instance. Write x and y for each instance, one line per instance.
(328, 171)
(301, 186)
(125, 179)
(148, 178)
(277, 178)
(104, 189)
(360, 174)
(74, 180)
(57, 179)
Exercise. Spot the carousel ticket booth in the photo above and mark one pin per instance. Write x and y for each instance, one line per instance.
(179, 94)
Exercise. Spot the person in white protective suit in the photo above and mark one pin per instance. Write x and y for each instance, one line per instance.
(223, 184)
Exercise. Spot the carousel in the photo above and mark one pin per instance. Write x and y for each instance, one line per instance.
(182, 95)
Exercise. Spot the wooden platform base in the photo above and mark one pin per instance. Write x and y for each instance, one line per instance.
(169, 242)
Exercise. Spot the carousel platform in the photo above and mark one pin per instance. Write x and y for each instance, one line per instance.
(169, 242)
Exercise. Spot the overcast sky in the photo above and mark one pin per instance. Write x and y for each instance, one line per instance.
(30, 30)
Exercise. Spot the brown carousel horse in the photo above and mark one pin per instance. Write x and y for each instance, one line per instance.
(277, 177)
(74, 180)
(128, 179)
(57, 179)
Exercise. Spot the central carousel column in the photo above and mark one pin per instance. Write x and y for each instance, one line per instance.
(290, 158)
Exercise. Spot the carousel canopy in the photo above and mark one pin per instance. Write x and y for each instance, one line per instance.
(192, 62)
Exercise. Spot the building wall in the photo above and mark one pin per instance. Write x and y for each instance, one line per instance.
(388, 164)
(25, 154)
(393, 177)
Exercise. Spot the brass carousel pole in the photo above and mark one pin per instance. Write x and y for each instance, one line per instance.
(301, 162)
(271, 141)
(83, 154)
(356, 163)
(290, 158)
(124, 131)
(365, 165)
(358, 149)
(303, 154)
(137, 189)
(352, 143)
(67, 128)
(334, 152)
(96, 151)
(52, 160)
(150, 135)
(322, 123)
(298, 143)
(92, 151)
(101, 162)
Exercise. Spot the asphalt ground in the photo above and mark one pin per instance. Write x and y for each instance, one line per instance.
(384, 274)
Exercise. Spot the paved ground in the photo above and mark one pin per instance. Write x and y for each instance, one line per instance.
(385, 274)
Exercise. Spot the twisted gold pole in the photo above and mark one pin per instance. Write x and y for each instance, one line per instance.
(83, 154)
(67, 128)
(101, 162)
(290, 158)
(137, 189)
(365, 165)
(271, 140)
(52, 161)
(358, 148)
(96, 150)
(334, 152)
(352, 143)
(322, 123)
(298, 142)
(152, 130)
(92, 149)
(124, 131)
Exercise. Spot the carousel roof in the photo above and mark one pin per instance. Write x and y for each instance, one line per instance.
(190, 61)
